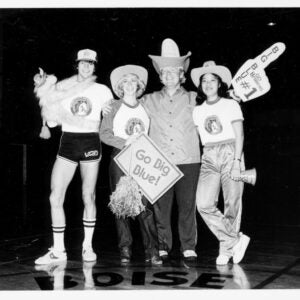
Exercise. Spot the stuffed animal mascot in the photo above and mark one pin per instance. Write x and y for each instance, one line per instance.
(51, 93)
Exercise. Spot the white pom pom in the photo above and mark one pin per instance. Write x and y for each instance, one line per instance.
(126, 200)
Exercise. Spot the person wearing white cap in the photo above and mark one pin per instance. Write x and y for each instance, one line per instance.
(80, 99)
(126, 120)
(173, 130)
(220, 124)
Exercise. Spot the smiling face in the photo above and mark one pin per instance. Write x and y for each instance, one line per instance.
(85, 69)
(170, 77)
(210, 85)
(129, 84)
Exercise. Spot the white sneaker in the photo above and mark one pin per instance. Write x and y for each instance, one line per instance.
(88, 254)
(163, 253)
(189, 253)
(52, 256)
(240, 248)
(222, 259)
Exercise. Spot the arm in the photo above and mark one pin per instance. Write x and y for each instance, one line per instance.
(238, 128)
(107, 106)
(106, 131)
(192, 96)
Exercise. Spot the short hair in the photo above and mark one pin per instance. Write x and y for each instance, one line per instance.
(141, 86)
(222, 90)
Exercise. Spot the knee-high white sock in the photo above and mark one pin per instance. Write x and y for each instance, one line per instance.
(89, 227)
(58, 237)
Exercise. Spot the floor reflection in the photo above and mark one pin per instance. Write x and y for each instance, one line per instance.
(59, 277)
(56, 273)
(277, 267)
(239, 277)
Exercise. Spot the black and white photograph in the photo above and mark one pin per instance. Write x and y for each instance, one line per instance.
(149, 147)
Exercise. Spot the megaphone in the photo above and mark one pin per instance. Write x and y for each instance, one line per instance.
(249, 176)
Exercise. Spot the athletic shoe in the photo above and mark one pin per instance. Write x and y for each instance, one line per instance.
(189, 255)
(240, 248)
(163, 254)
(52, 256)
(222, 259)
(88, 254)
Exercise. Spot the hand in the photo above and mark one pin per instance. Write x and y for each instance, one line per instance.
(235, 172)
(106, 109)
(52, 124)
(234, 96)
(131, 139)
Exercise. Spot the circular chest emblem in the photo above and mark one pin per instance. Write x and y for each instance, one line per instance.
(81, 106)
(134, 126)
(213, 125)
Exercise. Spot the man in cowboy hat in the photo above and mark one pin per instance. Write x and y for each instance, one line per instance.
(172, 129)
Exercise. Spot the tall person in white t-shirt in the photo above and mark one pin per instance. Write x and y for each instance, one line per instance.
(80, 113)
(220, 124)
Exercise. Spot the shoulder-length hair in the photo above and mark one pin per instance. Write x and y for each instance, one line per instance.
(222, 90)
(141, 86)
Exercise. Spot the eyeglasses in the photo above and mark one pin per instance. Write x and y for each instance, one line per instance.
(170, 71)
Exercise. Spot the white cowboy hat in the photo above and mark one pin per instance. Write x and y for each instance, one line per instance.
(170, 57)
(211, 67)
(117, 74)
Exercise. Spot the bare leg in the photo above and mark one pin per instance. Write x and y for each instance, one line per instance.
(62, 174)
(89, 173)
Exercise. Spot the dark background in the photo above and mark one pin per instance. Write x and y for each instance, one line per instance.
(50, 38)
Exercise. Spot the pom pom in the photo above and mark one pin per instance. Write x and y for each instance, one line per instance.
(126, 200)
(45, 133)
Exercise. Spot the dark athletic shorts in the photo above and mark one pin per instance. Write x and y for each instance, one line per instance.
(80, 147)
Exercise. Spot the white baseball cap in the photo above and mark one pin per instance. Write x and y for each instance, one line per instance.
(87, 54)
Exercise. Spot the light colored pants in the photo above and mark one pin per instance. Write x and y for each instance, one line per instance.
(214, 174)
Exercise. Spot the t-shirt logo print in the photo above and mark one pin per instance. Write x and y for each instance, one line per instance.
(213, 125)
(81, 106)
(134, 126)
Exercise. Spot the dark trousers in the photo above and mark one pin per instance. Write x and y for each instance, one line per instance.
(185, 192)
(145, 218)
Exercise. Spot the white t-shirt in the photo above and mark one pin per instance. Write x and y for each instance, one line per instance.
(214, 120)
(86, 107)
(130, 120)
